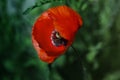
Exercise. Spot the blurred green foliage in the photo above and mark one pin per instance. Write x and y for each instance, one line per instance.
(98, 42)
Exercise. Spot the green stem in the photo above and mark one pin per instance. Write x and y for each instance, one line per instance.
(85, 75)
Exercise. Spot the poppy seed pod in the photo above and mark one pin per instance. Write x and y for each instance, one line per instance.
(54, 31)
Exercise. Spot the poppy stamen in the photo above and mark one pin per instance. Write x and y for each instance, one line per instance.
(57, 40)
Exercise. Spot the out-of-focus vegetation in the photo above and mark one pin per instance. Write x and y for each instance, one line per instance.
(98, 42)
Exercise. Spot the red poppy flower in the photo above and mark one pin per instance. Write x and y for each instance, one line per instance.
(54, 31)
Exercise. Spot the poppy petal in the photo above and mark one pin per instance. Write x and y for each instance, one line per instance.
(41, 53)
(66, 21)
(41, 36)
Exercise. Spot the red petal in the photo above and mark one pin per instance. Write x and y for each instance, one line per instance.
(66, 21)
(41, 53)
(41, 37)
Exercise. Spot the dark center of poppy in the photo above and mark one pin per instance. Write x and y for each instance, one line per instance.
(57, 40)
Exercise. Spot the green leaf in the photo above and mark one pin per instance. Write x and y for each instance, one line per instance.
(30, 9)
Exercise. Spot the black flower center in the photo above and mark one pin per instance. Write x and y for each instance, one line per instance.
(57, 40)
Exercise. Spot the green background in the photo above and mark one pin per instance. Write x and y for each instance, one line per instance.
(98, 42)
